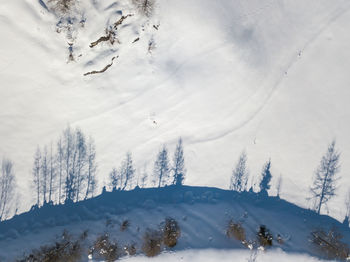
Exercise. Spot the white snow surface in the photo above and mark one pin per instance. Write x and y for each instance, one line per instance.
(269, 77)
(212, 255)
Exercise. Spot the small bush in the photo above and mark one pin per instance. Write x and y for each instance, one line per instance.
(145, 7)
(152, 241)
(130, 250)
(61, 6)
(280, 239)
(124, 226)
(104, 248)
(264, 236)
(235, 230)
(171, 232)
(330, 244)
(66, 249)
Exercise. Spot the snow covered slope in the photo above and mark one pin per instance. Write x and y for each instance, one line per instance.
(202, 213)
(266, 76)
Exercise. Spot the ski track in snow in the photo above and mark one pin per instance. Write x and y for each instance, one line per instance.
(339, 12)
(293, 62)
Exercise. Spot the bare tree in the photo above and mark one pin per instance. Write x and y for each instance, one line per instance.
(115, 179)
(161, 167)
(143, 176)
(80, 176)
(91, 169)
(324, 185)
(44, 170)
(75, 163)
(7, 187)
(179, 164)
(52, 173)
(127, 171)
(240, 174)
(279, 185)
(69, 159)
(36, 174)
(59, 159)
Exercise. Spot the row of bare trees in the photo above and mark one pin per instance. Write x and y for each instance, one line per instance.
(164, 173)
(66, 172)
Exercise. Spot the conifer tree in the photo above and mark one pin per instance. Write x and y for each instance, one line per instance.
(240, 174)
(266, 177)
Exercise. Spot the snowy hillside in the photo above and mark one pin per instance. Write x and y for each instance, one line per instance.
(269, 77)
(203, 215)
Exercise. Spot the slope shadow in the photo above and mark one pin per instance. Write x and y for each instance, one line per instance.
(252, 209)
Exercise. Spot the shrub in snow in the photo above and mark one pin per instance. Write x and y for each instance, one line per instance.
(171, 232)
(235, 230)
(124, 226)
(145, 7)
(104, 248)
(329, 244)
(264, 236)
(130, 250)
(280, 239)
(62, 6)
(152, 241)
(65, 249)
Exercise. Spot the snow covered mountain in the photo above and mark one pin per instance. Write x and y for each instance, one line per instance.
(269, 77)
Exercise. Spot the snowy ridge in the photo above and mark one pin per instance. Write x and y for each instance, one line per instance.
(203, 214)
(270, 77)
